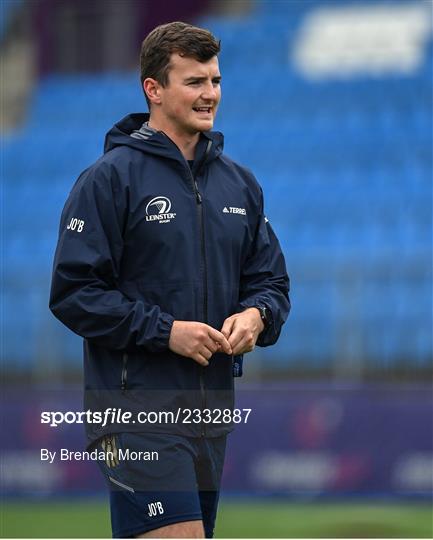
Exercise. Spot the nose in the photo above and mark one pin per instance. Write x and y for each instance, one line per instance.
(210, 92)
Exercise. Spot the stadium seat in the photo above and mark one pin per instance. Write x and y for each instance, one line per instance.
(345, 167)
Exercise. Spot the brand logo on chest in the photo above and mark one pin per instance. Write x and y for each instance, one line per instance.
(234, 210)
(158, 209)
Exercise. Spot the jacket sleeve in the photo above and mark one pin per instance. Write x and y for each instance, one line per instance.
(264, 279)
(84, 290)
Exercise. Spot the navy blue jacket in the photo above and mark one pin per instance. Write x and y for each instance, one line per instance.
(144, 240)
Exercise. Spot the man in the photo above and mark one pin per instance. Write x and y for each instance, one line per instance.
(168, 268)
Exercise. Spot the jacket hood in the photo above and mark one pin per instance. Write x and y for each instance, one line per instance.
(158, 142)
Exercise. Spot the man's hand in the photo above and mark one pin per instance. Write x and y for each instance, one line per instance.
(197, 340)
(242, 330)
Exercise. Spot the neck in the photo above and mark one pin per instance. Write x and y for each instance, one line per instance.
(184, 141)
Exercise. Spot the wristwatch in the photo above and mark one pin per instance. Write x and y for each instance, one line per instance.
(265, 315)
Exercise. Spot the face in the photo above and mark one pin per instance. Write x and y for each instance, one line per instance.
(189, 102)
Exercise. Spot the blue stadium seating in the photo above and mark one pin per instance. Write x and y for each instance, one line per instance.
(346, 171)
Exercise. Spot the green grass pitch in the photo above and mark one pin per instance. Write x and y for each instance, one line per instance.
(236, 519)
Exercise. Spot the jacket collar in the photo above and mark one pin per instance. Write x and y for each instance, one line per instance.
(124, 133)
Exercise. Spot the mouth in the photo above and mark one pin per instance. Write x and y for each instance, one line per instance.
(202, 110)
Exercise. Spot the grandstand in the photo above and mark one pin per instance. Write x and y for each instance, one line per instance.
(345, 161)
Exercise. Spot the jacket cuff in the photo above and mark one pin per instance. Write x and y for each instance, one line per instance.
(163, 330)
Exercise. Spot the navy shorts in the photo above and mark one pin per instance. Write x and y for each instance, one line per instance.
(158, 479)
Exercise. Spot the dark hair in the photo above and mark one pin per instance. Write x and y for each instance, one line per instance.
(174, 37)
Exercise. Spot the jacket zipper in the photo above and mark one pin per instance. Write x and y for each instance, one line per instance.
(124, 375)
(199, 201)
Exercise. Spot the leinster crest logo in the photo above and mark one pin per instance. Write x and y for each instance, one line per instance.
(158, 209)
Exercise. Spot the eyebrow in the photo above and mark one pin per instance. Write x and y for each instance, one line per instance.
(200, 79)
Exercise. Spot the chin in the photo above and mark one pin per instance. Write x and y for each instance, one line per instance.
(197, 126)
(206, 125)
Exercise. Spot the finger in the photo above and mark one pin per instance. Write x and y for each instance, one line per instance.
(242, 348)
(226, 347)
(227, 328)
(236, 333)
(221, 339)
(240, 338)
(216, 335)
(204, 351)
(213, 346)
(235, 341)
(200, 359)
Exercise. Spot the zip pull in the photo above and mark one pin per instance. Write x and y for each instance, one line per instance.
(197, 193)
(124, 373)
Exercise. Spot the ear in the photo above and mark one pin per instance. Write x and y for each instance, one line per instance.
(152, 89)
